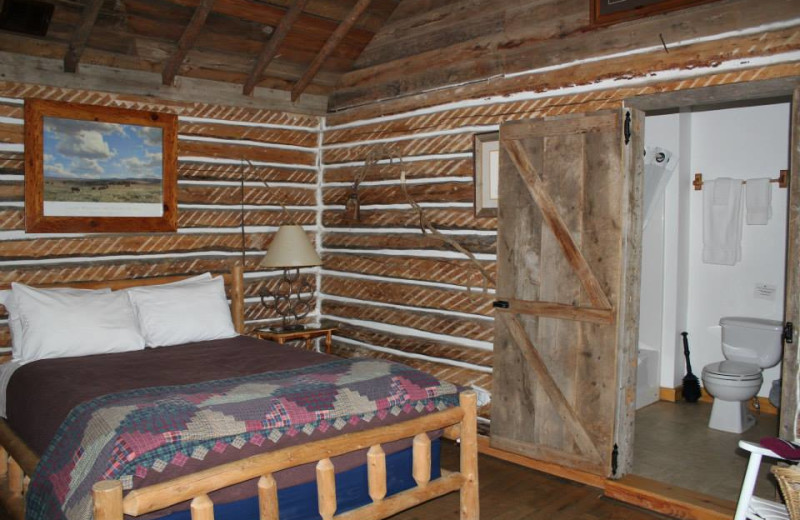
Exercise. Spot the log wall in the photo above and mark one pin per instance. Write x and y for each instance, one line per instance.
(212, 203)
(401, 295)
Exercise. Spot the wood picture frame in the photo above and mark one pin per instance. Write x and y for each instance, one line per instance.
(99, 169)
(606, 12)
(486, 151)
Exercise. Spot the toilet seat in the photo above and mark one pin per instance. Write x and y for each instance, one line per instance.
(732, 371)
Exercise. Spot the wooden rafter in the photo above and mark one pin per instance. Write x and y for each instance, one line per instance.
(330, 45)
(186, 42)
(270, 49)
(81, 35)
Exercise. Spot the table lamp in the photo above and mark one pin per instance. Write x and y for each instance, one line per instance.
(290, 250)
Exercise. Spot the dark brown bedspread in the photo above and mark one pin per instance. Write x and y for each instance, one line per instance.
(42, 393)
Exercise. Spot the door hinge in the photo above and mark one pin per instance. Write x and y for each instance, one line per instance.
(788, 332)
(614, 457)
(627, 127)
(500, 304)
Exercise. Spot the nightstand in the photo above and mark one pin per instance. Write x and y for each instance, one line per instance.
(308, 335)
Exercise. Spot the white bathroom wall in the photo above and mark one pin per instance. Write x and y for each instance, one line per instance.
(681, 226)
(740, 143)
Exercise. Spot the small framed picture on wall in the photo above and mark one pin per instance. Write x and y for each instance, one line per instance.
(487, 173)
(99, 169)
(605, 12)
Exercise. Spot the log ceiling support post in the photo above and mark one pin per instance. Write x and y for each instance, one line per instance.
(336, 37)
(81, 35)
(270, 49)
(186, 42)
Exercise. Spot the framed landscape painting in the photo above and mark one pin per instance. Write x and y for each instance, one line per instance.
(99, 169)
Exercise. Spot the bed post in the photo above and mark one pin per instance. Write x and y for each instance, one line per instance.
(237, 297)
(470, 506)
(107, 498)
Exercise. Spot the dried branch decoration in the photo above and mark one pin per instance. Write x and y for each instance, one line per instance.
(383, 153)
(245, 164)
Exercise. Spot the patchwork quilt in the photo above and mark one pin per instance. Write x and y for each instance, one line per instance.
(134, 434)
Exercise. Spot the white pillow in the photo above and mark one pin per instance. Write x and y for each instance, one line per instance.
(180, 313)
(70, 323)
(14, 323)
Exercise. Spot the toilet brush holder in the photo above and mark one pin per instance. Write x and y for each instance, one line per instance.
(691, 385)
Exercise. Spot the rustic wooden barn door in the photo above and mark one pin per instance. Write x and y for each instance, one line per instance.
(791, 360)
(568, 247)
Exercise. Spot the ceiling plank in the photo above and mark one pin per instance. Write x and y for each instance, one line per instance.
(329, 47)
(270, 49)
(81, 35)
(186, 41)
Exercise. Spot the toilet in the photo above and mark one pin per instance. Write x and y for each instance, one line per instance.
(749, 345)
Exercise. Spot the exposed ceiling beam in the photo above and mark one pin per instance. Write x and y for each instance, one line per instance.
(23, 68)
(270, 49)
(186, 42)
(330, 45)
(81, 35)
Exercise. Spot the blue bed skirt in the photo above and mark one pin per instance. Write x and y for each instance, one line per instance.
(300, 502)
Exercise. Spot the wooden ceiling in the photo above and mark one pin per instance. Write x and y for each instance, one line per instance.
(300, 46)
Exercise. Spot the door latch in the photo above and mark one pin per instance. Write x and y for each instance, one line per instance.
(788, 332)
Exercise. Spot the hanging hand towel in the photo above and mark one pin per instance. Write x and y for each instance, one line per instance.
(758, 200)
(722, 221)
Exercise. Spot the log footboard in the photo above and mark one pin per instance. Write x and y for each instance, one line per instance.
(109, 503)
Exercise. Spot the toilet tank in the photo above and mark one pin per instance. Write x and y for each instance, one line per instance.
(752, 340)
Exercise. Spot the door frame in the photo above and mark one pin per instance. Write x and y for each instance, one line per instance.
(720, 95)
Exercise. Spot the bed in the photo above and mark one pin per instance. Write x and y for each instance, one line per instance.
(343, 452)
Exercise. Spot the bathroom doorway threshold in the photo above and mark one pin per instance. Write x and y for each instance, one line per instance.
(668, 499)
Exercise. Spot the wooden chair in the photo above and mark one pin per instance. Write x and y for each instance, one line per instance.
(751, 507)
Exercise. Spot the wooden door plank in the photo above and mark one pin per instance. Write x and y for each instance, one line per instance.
(601, 245)
(556, 223)
(791, 363)
(271, 47)
(579, 124)
(81, 35)
(558, 341)
(513, 413)
(556, 310)
(562, 406)
(186, 42)
(538, 452)
(631, 177)
(330, 45)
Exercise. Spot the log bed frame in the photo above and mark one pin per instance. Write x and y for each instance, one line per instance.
(17, 460)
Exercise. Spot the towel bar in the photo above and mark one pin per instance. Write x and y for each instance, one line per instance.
(782, 181)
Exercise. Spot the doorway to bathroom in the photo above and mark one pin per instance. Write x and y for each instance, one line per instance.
(685, 290)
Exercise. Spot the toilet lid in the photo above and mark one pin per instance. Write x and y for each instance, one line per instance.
(733, 370)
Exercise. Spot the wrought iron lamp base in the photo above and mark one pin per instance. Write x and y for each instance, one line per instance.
(289, 301)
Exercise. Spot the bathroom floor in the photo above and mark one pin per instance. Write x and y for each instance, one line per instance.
(673, 444)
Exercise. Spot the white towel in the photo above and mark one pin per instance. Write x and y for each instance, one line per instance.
(722, 221)
(758, 197)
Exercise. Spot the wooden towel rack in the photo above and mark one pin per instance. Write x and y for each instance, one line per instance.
(782, 181)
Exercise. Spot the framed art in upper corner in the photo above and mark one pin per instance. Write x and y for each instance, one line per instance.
(605, 12)
(99, 169)
(487, 173)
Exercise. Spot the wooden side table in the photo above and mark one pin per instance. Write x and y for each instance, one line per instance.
(296, 335)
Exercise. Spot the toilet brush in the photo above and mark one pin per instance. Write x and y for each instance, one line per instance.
(691, 386)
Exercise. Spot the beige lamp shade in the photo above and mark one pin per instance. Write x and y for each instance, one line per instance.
(290, 248)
